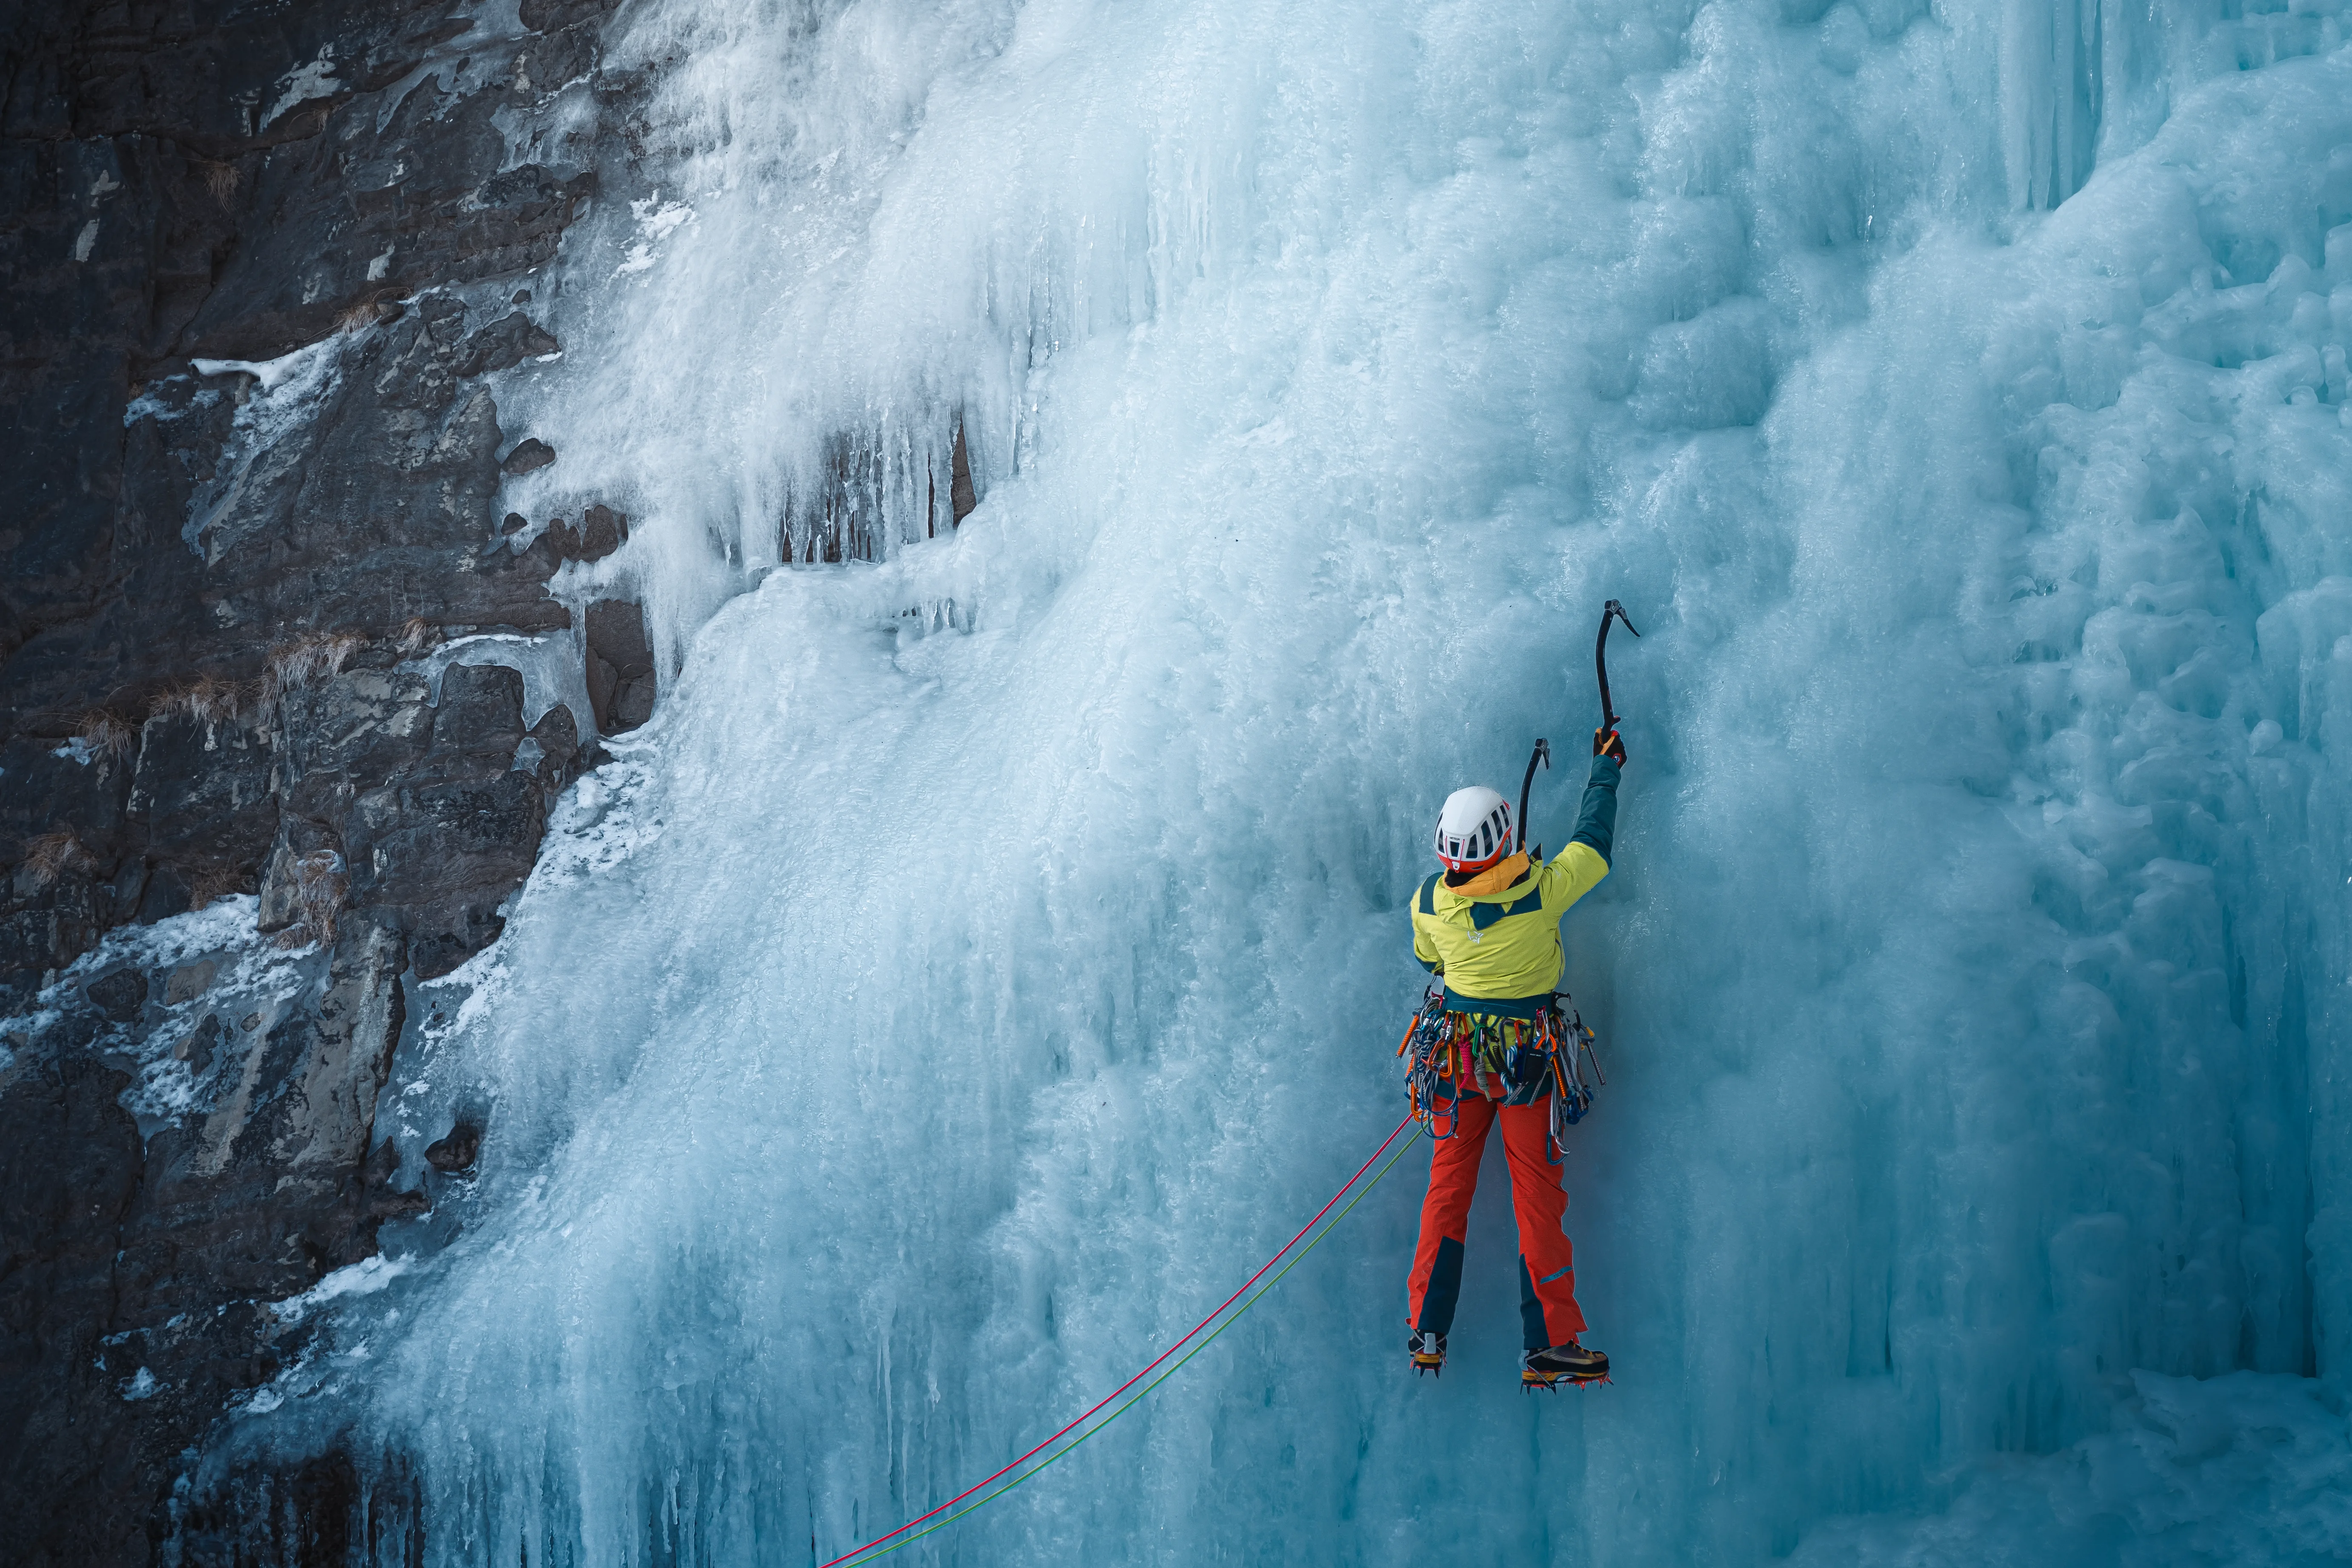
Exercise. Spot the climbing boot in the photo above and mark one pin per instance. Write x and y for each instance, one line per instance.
(1570, 1362)
(1428, 1353)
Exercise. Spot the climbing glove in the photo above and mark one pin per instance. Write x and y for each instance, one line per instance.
(1606, 743)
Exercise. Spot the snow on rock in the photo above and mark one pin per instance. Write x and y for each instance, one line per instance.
(196, 991)
(365, 1277)
(312, 79)
(549, 666)
(289, 392)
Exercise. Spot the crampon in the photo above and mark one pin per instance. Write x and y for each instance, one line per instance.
(1531, 1380)
(1570, 1364)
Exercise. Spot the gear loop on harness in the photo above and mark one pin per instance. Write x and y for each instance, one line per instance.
(1429, 1066)
(1571, 1099)
(1545, 1056)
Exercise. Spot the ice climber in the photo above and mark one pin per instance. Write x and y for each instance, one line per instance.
(1488, 926)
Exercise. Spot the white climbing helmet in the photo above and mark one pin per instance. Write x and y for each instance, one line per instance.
(1474, 830)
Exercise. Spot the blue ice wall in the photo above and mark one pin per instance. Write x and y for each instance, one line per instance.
(990, 953)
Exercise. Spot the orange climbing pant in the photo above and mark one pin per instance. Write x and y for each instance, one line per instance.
(1548, 1312)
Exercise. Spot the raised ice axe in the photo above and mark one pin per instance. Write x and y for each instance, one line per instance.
(1542, 754)
(1613, 610)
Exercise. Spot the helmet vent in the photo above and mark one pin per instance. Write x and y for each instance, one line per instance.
(1473, 828)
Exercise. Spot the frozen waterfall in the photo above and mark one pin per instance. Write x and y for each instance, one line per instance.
(996, 944)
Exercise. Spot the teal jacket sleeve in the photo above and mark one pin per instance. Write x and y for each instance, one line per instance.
(1596, 823)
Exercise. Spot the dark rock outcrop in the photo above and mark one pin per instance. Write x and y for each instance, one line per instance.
(339, 535)
(433, 813)
(620, 665)
(138, 1271)
(226, 593)
(119, 995)
(175, 197)
(528, 457)
(961, 496)
(454, 1154)
(70, 1167)
(602, 531)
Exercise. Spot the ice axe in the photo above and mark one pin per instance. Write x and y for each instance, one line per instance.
(1610, 611)
(1542, 754)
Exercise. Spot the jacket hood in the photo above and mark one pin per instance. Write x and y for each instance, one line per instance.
(1494, 881)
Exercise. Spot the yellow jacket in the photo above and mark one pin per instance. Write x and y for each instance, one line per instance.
(1497, 937)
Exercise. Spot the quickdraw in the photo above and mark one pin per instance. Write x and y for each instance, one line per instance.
(1425, 1037)
(1571, 1099)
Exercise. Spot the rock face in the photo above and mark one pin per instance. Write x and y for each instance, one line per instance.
(620, 665)
(139, 1268)
(185, 544)
(266, 269)
(428, 815)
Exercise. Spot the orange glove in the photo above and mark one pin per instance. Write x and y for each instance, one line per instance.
(1607, 743)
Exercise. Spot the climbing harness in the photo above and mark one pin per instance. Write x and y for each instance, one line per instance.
(1446, 1053)
(876, 1549)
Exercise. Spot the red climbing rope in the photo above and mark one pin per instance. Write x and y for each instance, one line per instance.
(1138, 1377)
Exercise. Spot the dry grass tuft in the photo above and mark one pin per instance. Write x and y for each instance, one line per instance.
(309, 658)
(418, 635)
(312, 657)
(360, 315)
(320, 884)
(106, 735)
(211, 699)
(221, 180)
(212, 883)
(53, 853)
